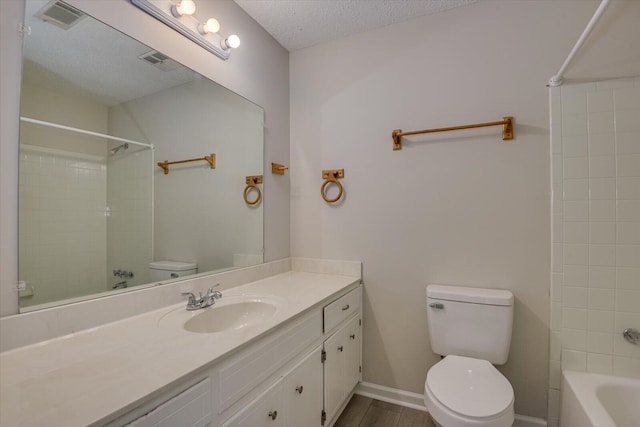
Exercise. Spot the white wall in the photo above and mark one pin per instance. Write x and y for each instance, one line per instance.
(258, 71)
(460, 208)
(596, 230)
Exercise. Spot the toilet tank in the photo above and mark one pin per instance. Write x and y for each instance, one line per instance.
(471, 322)
(167, 270)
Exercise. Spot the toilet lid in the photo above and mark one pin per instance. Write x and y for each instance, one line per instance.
(471, 387)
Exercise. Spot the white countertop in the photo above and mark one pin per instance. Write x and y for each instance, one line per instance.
(88, 377)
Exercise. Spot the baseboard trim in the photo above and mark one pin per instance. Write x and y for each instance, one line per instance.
(416, 401)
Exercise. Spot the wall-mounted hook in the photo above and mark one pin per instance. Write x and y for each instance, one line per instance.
(252, 182)
(278, 169)
(331, 176)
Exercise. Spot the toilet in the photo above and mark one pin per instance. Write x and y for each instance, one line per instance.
(167, 270)
(471, 328)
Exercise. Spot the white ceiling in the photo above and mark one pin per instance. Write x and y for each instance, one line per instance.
(297, 24)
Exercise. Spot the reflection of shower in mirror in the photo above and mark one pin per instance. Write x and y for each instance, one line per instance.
(114, 150)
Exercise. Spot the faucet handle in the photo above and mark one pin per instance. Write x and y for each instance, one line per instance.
(192, 297)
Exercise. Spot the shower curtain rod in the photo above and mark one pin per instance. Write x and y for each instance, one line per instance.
(86, 132)
(557, 79)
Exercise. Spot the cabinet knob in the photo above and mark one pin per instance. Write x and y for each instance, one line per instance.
(352, 336)
(345, 308)
(340, 348)
(299, 389)
(273, 414)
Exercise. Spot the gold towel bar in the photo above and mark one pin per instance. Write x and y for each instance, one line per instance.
(507, 130)
(211, 159)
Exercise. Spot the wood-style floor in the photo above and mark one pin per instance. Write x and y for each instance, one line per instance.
(367, 412)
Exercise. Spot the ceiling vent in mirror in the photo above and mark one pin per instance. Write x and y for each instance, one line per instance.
(160, 60)
(60, 14)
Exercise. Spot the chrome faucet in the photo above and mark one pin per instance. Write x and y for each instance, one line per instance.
(203, 301)
(632, 335)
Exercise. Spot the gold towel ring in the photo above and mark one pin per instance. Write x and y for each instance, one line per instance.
(252, 182)
(331, 176)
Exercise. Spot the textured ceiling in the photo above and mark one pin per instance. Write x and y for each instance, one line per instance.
(297, 24)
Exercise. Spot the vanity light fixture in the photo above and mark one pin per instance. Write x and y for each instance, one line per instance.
(179, 15)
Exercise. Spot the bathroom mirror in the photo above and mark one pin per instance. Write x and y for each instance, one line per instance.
(99, 110)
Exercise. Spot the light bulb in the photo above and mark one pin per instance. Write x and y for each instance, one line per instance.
(232, 42)
(184, 7)
(211, 26)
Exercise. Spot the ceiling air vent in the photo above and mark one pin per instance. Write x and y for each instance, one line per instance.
(160, 60)
(60, 14)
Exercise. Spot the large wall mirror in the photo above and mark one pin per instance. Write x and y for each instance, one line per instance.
(97, 215)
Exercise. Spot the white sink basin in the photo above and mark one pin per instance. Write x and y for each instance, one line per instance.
(231, 313)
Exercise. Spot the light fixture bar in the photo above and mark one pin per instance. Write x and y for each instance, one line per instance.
(185, 25)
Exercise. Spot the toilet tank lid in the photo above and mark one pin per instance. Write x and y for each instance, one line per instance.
(172, 265)
(472, 295)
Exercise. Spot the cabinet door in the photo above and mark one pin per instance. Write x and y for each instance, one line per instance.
(352, 354)
(333, 372)
(303, 392)
(265, 411)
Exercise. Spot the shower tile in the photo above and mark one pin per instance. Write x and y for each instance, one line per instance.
(626, 366)
(556, 316)
(628, 143)
(602, 210)
(576, 232)
(576, 189)
(626, 121)
(574, 339)
(574, 125)
(576, 275)
(628, 278)
(627, 98)
(602, 188)
(602, 277)
(558, 229)
(576, 254)
(555, 374)
(574, 318)
(600, 321)
(574, 360)
(600, 101)
(628, 256)
(557, 171)
(628, 165)
(602, 233)
(600, 342)
(629, 188)
(602, 255)
(602, 167)
(627, 301)
(575, 297)
(628, 210)
(600, 363)
(601, 299)
(614, 84)
(575, 145)
(557, 258)
(574, 102)
(601, 123)
(576, 167)
(576, 211)
(555, 345)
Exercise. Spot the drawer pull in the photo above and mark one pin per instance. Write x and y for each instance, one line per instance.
(273, 415)
(299, 389)
(352, 336)
(340, 348)
(436, 305)
(345, 308)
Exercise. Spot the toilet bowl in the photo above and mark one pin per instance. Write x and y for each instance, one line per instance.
(466, 392)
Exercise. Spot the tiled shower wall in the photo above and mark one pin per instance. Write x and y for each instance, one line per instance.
(62, 223)
(595, 291)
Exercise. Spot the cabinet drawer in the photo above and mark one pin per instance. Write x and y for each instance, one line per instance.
(341, 309)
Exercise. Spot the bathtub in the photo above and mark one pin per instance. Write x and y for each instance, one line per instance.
(593, 400)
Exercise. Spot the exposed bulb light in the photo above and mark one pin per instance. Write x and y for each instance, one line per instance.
(231, 42)
(211, 26)
(184, 7)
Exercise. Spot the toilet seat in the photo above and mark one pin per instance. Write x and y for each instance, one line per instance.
(468, 391)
